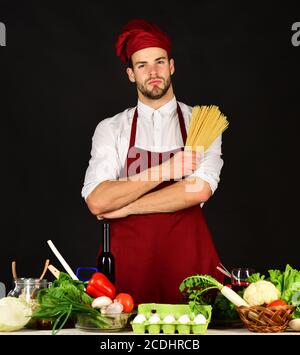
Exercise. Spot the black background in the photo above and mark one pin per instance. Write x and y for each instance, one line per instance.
(60, 77)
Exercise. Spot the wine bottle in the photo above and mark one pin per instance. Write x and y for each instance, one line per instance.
(106, 261)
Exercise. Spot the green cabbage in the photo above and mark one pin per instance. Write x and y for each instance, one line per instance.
(14, 314)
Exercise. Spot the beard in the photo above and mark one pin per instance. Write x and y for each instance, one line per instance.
(156, 92)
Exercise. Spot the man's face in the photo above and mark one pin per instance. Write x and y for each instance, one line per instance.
(151, 71)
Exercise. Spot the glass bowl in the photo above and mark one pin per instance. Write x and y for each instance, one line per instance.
(113, 322)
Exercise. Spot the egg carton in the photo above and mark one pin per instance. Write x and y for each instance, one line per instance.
(176, 310)
(171, 328)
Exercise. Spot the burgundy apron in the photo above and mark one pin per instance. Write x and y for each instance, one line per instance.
(155, 252)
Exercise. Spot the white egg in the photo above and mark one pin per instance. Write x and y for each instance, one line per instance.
(169, 319)
(154, 319)
(140, 318)
(200, 319)
(184, 319)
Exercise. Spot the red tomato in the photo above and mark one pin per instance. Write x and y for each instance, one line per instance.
(126, 300)
(277, 303)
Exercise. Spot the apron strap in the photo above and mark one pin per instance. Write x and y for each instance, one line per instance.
(182, 124)
(133, 129)
(134, 124)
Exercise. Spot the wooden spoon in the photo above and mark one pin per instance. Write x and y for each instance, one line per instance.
(14, 269)
(54, 271)
(45, 269)
(40, 278)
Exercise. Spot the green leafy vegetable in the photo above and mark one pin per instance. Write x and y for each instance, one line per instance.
(203, 282)
(64, 300)
(255, 277)
(288, 283)
(223, 309)
(276, 277)
(196, 287)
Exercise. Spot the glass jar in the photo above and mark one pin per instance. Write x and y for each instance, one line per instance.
(2, 290)
(27, 289)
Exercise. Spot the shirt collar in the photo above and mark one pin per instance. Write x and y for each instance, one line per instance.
(167, 109)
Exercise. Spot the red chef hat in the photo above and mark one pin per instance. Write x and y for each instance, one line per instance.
(139, 34)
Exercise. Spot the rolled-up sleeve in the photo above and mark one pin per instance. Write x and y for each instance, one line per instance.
(211, 164)
(104, 163)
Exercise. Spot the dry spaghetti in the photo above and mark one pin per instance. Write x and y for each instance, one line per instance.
(207, 123)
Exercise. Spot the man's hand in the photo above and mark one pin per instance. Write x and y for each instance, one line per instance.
(182, 164)
(172, 198)
(120, 213)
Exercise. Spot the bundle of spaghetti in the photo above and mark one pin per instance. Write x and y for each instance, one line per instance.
(207, 123)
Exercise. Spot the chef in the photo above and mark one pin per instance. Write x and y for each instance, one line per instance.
(140, 178)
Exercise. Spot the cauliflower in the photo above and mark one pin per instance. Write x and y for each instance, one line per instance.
(260, 292)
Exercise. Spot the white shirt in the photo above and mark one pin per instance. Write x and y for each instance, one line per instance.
(157, 131)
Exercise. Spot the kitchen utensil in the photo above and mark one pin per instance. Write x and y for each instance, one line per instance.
(85, 268)
(45, 269)
(224, 268)
(54, 271)
(14, 270)
(223, 271)
(62, 260)
(34, 290)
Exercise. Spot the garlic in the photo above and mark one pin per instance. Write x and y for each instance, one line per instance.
(114, 308)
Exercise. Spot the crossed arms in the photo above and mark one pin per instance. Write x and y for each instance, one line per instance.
(126, 196)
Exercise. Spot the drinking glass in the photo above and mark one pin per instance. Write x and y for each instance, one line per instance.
(239, 277)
